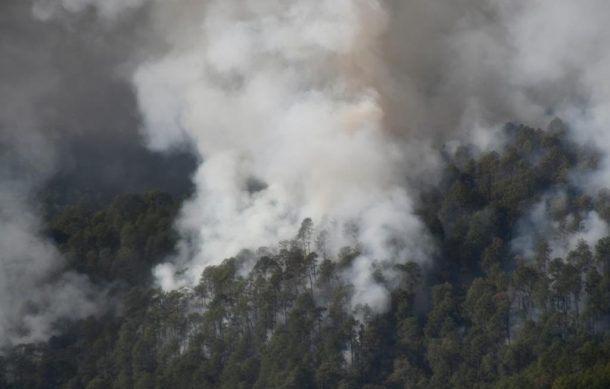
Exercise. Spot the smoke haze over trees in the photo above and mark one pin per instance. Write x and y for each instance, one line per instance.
(481, 316)
(68, 126)
(314, 193)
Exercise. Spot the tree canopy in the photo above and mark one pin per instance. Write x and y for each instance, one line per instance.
(480, 315)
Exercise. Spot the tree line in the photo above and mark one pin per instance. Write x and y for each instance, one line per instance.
(481, 316)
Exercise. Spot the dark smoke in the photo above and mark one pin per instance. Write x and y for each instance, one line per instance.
(69, 132)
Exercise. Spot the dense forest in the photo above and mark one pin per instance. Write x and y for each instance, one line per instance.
(485, 312)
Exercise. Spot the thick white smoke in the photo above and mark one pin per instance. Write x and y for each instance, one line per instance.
(268, 94)
(332, 105)
(330, 109)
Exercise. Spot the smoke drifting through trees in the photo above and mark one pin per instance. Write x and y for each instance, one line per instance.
(268, 92)
(337, 107)
(68, 125)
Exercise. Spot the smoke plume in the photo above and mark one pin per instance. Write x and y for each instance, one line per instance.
(277, 93)
(334, 109)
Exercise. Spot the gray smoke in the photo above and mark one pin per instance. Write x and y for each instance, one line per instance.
(337, 108)
(34, 290)
(337, 105)
(551, 220)
(107, 9)
(277, 92)
(65, 111)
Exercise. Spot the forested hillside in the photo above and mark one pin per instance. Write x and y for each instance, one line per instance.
(498, 307)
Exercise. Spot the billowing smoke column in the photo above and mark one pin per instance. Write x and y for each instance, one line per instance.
(271, 94)
(331, 109)
(332, 106)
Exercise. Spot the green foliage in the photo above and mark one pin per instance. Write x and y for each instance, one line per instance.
(120, 242)
(480, 318)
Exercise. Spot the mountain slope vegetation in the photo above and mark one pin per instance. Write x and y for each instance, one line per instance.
(502, 305)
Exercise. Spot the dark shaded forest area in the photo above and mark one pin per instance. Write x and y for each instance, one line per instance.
(482, 314)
